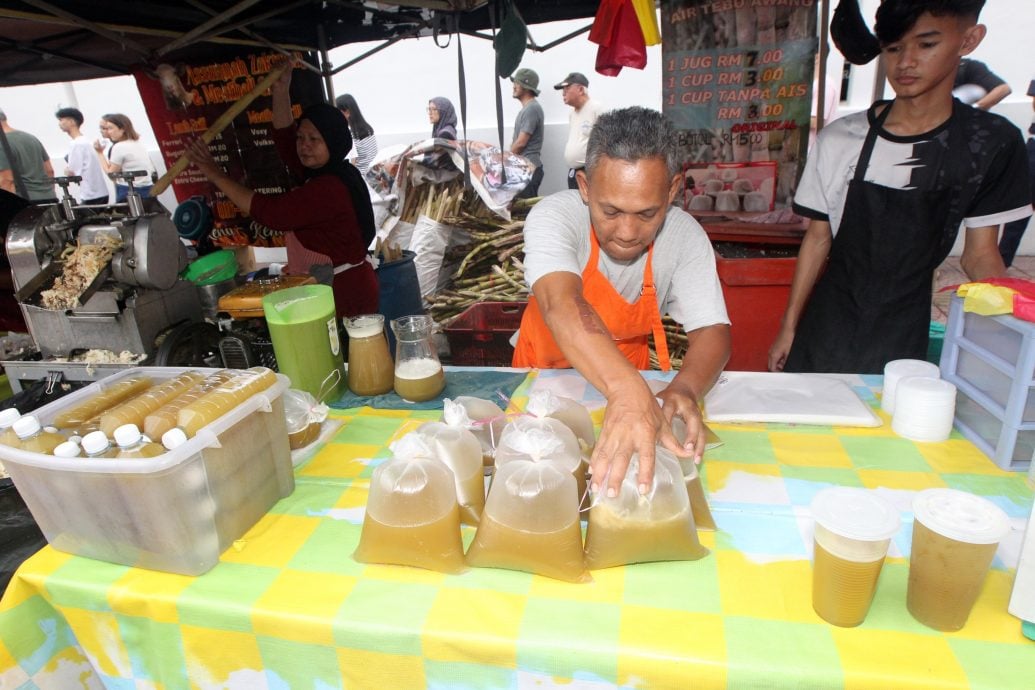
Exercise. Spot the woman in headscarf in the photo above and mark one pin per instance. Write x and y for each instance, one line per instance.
(329, 213)
(442, 116)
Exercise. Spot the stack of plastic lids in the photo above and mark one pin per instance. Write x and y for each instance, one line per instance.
(899, 369)
(924, 408)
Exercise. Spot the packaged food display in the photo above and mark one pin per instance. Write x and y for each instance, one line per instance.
(175, 512)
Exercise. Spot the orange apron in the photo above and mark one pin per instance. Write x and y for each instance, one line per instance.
(629, 324)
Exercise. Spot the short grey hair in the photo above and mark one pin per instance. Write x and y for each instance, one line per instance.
(633, 134)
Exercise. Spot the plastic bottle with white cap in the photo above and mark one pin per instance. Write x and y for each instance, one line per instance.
(68, 449)
(174, 438)
(97, 445)
(132, 443)
(32, 437)
(7, 435)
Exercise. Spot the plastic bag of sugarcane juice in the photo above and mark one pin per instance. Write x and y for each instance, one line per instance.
(531, 523)
(635, 528)
(694, 486)
(481, 417)
(571, 412)
(412, 517)
(304, 416)
(460, 451)
(543, 439)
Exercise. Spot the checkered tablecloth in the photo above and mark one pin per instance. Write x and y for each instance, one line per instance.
(287, 607)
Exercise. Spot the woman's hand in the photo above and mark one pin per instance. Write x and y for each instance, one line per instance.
(98, 146)
(198, 154)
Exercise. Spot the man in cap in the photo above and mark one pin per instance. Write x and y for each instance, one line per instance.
(584, 112)
(30, 162)
(528, 127)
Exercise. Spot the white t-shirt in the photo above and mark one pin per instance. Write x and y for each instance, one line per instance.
(557, 239)
(993, 191)
(580, 124)
(82, 161)
(131, 155)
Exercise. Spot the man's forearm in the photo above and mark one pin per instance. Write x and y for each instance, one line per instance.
(994, 96)
(708, 350)
(812, 257)
(588, 346)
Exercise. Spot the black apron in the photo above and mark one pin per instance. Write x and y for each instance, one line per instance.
(873, 303)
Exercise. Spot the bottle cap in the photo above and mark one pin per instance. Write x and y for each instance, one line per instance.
(174, 438)
(95, 442)
(8, 417)
(67, 450)
(127, 435)
(26, 426)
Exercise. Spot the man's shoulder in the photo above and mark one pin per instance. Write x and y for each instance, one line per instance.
(680, 231)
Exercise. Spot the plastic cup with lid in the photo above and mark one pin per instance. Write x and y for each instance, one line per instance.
(955, 537)
(853, 528)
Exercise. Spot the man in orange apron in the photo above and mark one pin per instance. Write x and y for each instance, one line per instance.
(604, 264)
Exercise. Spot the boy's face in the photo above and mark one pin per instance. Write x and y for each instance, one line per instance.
(925, 59)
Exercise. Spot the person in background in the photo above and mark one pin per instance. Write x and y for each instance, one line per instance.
(82, 162)
(442, 117)
(584, 113)
(528, 127)
(329, 213)
(364, 143)
(126, 153)
(1014, 230)
(604, 264)
(30, 160)
(886, 191)
(979, 86)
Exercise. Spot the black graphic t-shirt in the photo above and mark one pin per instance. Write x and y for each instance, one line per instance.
(985, 167)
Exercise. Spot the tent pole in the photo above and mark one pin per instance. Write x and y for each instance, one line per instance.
(325, 62)
(198, 31)
(824, 53)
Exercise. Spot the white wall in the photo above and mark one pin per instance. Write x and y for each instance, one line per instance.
(394, 85)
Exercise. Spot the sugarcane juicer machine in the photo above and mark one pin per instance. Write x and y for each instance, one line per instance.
(133, 299)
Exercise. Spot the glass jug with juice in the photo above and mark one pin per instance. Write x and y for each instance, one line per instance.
(418, 371)
(371, 371)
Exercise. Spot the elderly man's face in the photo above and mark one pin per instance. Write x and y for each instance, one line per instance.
(627, 203)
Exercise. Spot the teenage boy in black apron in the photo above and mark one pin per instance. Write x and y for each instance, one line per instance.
(886, 191)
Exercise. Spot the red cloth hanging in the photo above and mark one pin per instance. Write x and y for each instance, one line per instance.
(616, 29)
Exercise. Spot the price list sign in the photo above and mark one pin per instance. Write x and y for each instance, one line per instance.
(183, 100)
(737, 82)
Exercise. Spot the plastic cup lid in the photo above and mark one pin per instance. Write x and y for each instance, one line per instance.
(911, 367)
(926, 387)
(855, 513)
(961, 516)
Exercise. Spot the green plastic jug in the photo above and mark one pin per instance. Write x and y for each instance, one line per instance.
(305, 337)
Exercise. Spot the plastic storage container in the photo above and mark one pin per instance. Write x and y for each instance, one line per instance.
(991, 360)
(480, 336)
(175, 512)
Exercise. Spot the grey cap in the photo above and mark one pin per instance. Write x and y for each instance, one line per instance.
(527, 78)
(573, 78)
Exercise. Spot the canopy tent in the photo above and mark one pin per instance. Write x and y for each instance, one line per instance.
(44, 41)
